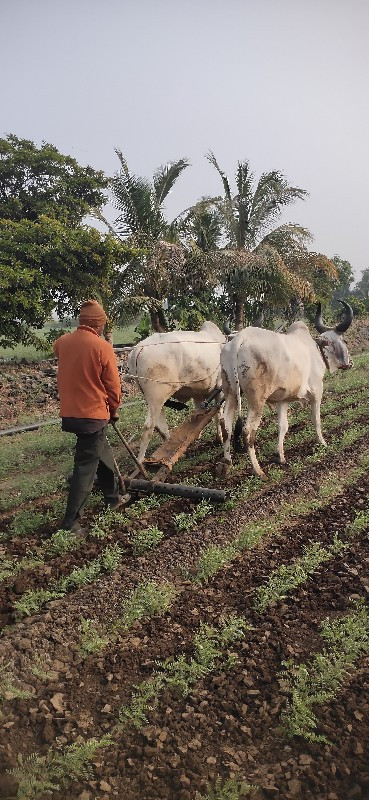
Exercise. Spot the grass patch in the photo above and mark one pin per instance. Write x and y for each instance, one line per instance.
(8, 689)
(318, 681)
(146, 600)
(212, 559)
(289, 576)
(34, 599)
(232, 789)
(145, 539)
(90, 640)
(39, 775)
(179, 674)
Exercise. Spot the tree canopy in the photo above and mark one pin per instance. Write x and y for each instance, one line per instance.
(48, 257)
(259, 259)
(45, 265)
(142, 223)
(224, 256)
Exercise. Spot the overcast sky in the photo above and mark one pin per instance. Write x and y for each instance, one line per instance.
(282, 83)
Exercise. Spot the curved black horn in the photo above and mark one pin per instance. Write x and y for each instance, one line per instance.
(318, 322)
(227, 329)
(346, 322)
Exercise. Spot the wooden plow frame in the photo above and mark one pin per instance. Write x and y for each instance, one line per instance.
(149, 477)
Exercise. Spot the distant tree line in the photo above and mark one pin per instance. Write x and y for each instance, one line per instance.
(224, 258)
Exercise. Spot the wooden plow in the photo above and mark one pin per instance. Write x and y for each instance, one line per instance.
(149, 477)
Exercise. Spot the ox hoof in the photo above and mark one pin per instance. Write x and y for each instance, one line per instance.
(275, 459)
(222, 468)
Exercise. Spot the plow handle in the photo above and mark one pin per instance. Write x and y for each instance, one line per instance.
(131, 453)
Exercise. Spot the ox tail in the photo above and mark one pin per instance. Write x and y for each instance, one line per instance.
(239, 422)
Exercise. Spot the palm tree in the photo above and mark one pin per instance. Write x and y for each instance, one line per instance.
(141, 221)
(257, 257)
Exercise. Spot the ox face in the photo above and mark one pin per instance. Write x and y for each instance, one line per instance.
(335, 350)
(331, 344)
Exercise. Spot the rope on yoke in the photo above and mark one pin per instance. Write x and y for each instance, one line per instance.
(128, 376)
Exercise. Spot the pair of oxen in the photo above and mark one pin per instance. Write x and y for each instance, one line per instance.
(262, 365)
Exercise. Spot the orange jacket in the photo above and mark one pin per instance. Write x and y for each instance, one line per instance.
(88, 377)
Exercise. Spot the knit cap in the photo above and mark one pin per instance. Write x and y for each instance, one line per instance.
(92, 313)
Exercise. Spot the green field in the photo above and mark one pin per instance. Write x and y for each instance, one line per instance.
(121, 335)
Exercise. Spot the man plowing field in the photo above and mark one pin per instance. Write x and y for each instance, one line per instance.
(90, 393)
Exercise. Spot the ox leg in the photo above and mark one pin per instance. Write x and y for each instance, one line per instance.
(226, 423)
(230, 408)
(253, 420)
(151, 422)
(162, 426)
(218, 423)
(315, 413)
(282, 430)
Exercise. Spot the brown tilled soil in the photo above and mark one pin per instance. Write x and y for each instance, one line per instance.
(230, 723)
(28, 391)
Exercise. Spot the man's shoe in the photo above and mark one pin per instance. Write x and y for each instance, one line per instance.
(122, 500)
(77, 528)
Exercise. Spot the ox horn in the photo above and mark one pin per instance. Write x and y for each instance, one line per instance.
(346, 322)
(318, 322)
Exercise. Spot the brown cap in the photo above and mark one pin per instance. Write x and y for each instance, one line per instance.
(92, 313)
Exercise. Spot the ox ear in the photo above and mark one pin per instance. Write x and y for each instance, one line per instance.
(318, 322)
(346, 322)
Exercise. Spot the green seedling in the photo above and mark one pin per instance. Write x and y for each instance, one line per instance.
(232, 789)
(318, 681)
(146, 539)
(8, 690)
(146, 600)
(179, 675)
(90, 640)
(39, 775)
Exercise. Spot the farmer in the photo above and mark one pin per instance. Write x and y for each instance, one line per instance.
(90, 393)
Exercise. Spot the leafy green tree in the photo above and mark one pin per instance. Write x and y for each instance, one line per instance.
(37, 182)
(46, 265)
(193, 298)
(141, 223)
(48, 257)
(258, 257)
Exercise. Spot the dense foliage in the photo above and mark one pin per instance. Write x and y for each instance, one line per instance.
(225, 257)
(41, 182)
(48, 257)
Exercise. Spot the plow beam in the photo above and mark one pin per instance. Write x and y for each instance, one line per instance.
(175, 489)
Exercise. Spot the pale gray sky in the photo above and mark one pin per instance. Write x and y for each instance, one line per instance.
(283, 83)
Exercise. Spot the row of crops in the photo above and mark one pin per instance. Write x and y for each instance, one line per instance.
(186, 650)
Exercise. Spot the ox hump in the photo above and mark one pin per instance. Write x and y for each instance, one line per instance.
(213, 331)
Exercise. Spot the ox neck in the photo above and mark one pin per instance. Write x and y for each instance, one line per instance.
(320, 347)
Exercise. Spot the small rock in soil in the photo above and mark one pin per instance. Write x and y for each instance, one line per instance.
(58, 702)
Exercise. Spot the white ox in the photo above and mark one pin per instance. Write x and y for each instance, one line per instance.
(276, 368)
(179, 364)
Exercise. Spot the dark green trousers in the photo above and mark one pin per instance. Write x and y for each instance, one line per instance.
(93, 455)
